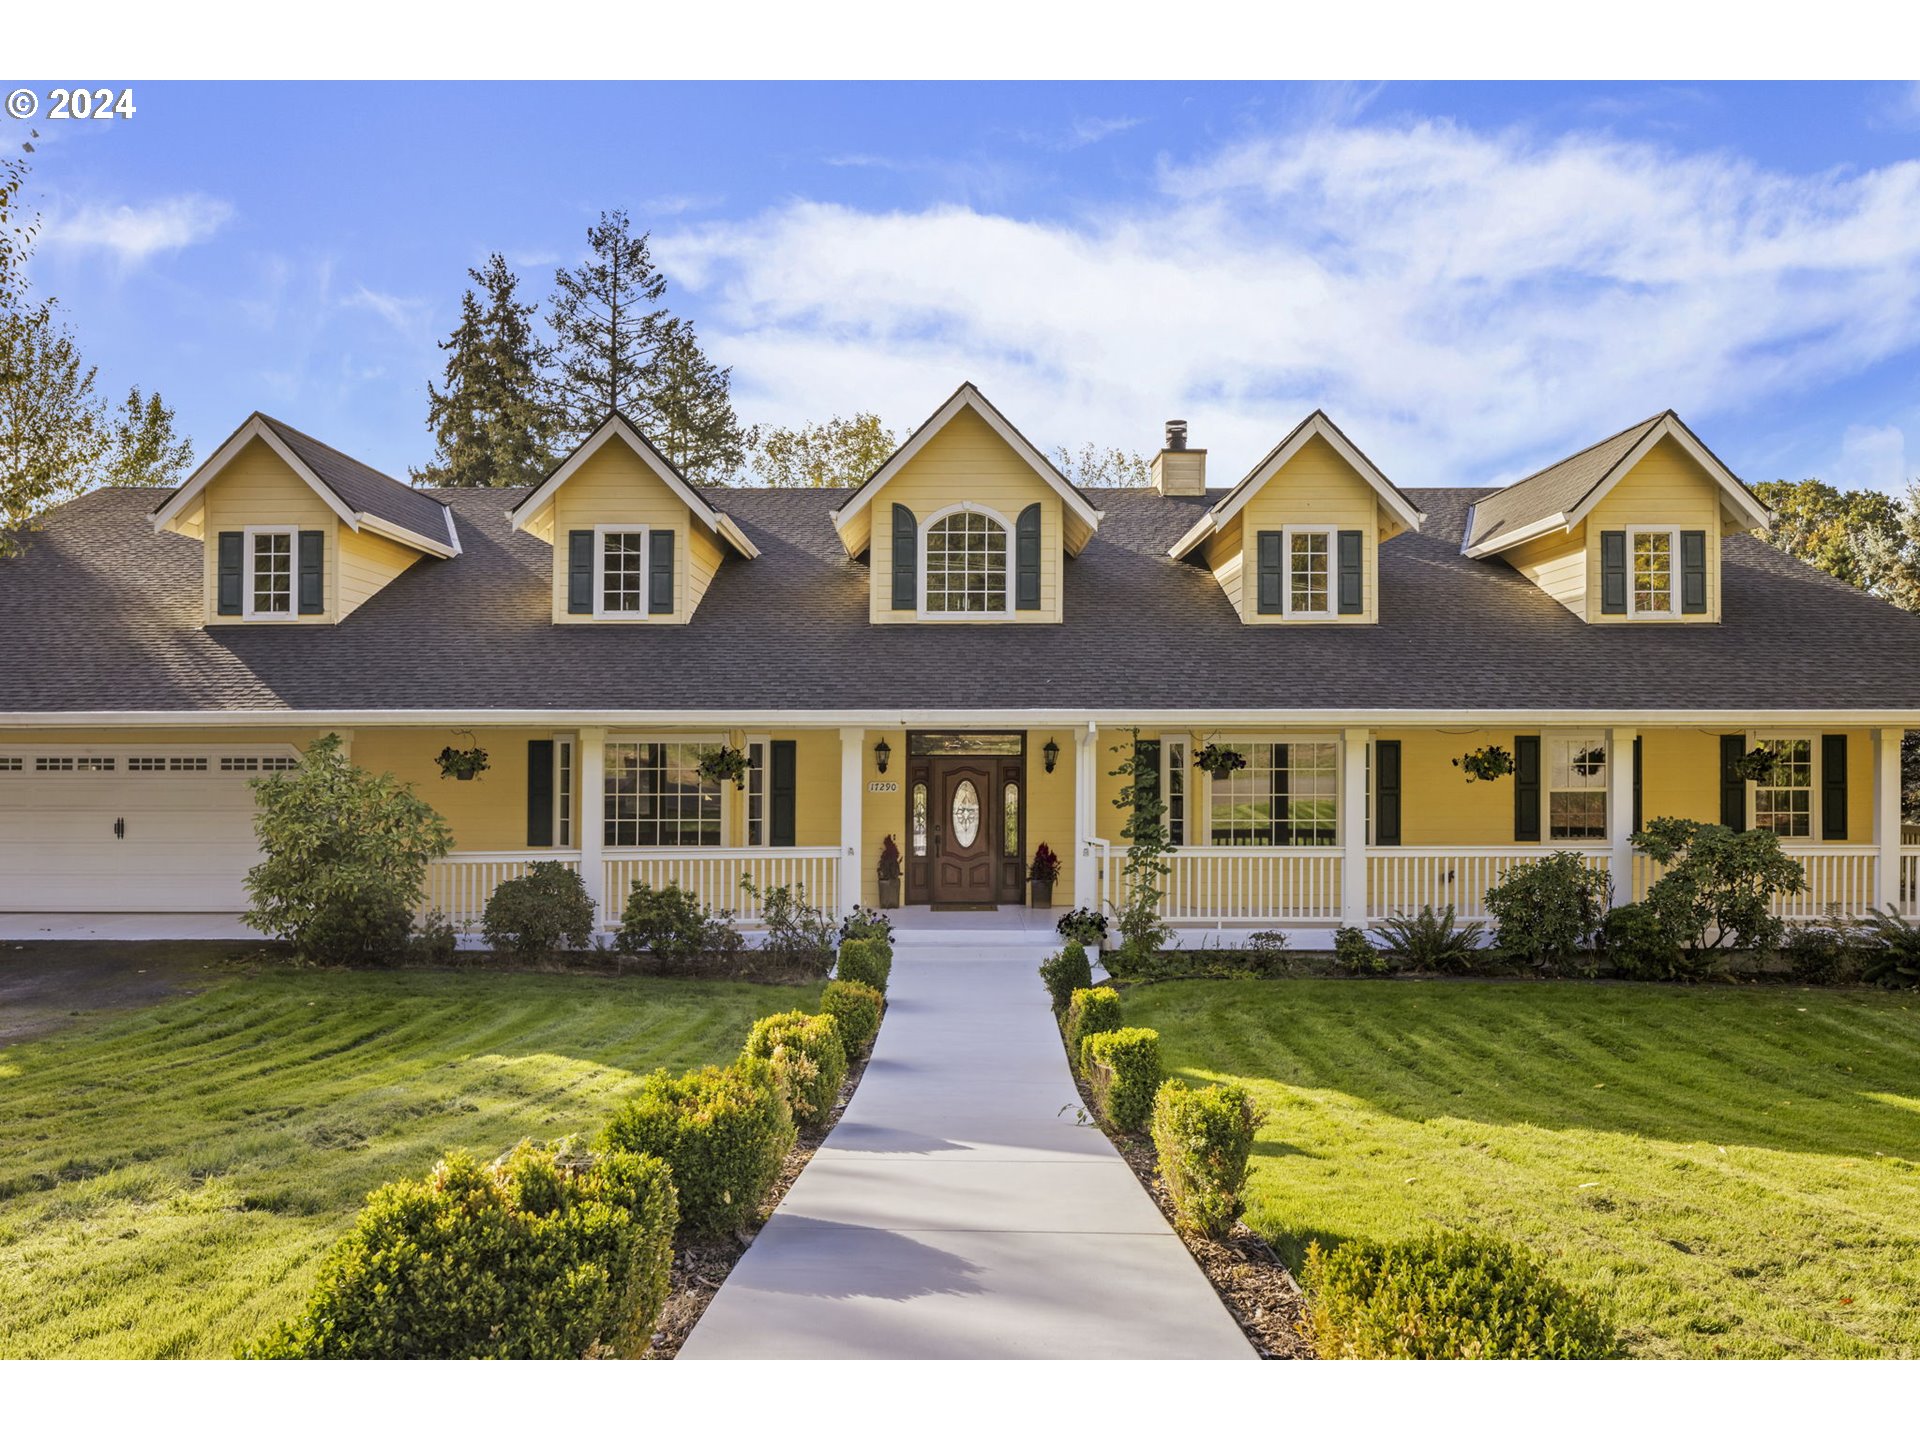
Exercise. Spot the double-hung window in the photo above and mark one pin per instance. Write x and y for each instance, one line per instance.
(1653, 557)
(620, 582)
(268, 588)
(1288, 794)
(656, 795)
(1576, 787)
(1783, 797)
(757, 828)
(1309, 571)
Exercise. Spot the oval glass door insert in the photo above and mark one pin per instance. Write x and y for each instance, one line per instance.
(966, 814)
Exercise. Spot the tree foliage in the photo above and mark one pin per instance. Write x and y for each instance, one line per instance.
(691, 418)
(608, 325)
(841, 451)
(1718, 883)
(1102, 467)
(145, 448)
(1864, 537)
(491, 423)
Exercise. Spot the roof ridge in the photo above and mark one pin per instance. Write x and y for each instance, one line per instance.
(1585, 450)
(286, 429)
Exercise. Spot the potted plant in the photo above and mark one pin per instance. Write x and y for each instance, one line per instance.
(1219, 761)
(1756, 764)
(1089, 927)
(889, 874)
(723, 763)
(1041, 875)
(1489, 762)
(458, 764)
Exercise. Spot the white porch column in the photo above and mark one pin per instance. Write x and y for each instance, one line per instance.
(1353, 827)
(592, 749)
(853, 743)
(1886, 817)
(1620, 811)
(1086, 879)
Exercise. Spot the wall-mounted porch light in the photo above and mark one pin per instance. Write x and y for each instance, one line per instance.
(1051, 753)
(882, 753)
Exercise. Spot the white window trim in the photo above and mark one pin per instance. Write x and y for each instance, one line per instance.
(1815, 821)
(600, 534)
(1190, 784)
(567, 826)
(920, 540)
(1672, 612)
(1332, 532)
(765, 743)
(252, 534)
(711, 738)
(1605, 742)
(1201, 792)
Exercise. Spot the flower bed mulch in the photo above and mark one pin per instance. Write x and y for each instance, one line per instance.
(700, 1266)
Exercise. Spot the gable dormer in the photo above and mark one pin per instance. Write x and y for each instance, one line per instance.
(296, 532)
(1297, 541)
(1628, 530)
(966, 522)
(633, 542)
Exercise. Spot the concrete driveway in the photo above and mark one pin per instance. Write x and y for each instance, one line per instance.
(960, 1210)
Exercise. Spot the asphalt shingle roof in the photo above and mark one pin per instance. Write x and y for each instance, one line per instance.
(363, 488)
(1556, 489)
(101, 613)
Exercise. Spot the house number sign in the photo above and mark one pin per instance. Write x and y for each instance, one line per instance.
(883, 787)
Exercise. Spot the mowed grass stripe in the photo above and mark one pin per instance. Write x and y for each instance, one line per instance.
(1711, 1161)
(171, 1178)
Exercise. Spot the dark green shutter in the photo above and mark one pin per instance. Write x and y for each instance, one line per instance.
(660, 572)
(1613, 572)
(1638, 825)
(1833, 787)
(1146, 766)
(1526, 787)
(540, 792)
(1271, 572)
(782, 775)
(580, 572)
(906, 559)
(1733, 789)
(1386, 792)
(1026, 559)
(233, 549)
(313, 588)
(1693, 572)
(1351, 600)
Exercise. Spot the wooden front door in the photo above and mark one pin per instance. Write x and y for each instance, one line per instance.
(965, 832)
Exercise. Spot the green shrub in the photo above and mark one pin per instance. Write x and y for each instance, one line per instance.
(534, 916)
(1432, 942)
(868, 961)
(856, 1009)
(433, 941)
(808, 1058)
(1891, 950)
(542, 1255)
(1203, 1139)
(864, 924)
(724, 1132)
(1067, 972)
(1636, 939)
(1548, 910)
(1088, 1013)
(1123, 1071)
(682, 935)
(1720, 882)
(798, 937)
(1355, 954)
(1820, 955)
(346, 857)
(1446, 1297)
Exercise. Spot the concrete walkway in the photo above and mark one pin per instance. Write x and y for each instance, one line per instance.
(959, 1211)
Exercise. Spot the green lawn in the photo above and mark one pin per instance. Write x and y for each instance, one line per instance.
(1735, 1170)
(170, 1178)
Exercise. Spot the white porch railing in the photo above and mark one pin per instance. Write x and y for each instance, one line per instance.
(1236, 882)
(460, 885)
(1401, 879)
(1907, 900)
(714, 875)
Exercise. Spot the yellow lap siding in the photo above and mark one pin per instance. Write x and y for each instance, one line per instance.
(364, 564)
(1558, 565)
(1667, 488)
(1315, 488)
(616, 487)
(260, 489)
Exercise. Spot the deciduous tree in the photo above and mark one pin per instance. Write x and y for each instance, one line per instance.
(835, 452)
(145, 448)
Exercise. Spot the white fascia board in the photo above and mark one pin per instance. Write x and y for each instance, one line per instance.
(254, 429)
(1314, 425)
(1671, 427)
(1189, 542)
(401, 535)
(1512, 538)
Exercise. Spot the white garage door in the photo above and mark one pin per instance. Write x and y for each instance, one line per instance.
(158, 828)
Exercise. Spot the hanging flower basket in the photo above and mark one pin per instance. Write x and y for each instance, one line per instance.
(458, 764)
(1756, 764)
(1489, 762)
(724, 764)
(1219, 761)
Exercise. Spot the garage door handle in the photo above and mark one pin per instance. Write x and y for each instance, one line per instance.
(120, 828)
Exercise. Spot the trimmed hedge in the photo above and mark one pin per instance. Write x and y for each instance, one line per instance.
(724, 1132)
(542, 1255)
(1088, 1013)
(1124, 1073)
(1446, 1297)
(856, 1009)
(808, 1058)
(1067, 972)
(869, 961)
(1203, 1139)
(534, 916)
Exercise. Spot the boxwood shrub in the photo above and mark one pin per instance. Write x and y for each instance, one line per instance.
(1067, 972)
(725, 1132)
(1203, 1139)
(808, 1059)
(1088, 1013)
(534, 916)
(1446, 1297)
(856, 1009)
(1124, 1072)
(545, 1254)
(870, 961)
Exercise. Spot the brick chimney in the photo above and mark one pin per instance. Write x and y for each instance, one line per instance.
(1176, 469)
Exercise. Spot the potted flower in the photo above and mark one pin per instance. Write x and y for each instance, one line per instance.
(723, 763)
(458, 764)
(889, 874)
(1041, 875)
(1219, 761)
(1089, 927)
(1489, 762)
(1756, 764)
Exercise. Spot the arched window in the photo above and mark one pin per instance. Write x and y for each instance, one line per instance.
(967, 564)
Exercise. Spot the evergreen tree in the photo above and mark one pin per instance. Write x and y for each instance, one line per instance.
(692, 421)
(608, 327)
(146, 450)
(838, 452)
(491, 422)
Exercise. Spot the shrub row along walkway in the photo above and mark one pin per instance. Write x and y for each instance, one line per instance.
(960, 1210)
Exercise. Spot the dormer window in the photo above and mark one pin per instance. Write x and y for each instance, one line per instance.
(1653, 571)
(1311, 572)
(1307, 566)
(622, 572)
(270, 573)
(966, 564)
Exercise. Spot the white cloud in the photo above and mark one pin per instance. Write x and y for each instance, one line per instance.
(1872, 457)
(406, 315)
(135, 233)
(1468, 305)
(1092, 130)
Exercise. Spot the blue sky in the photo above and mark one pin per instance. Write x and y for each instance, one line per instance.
(1472, 279)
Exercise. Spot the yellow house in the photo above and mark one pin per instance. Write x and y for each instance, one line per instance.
(955, 655)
